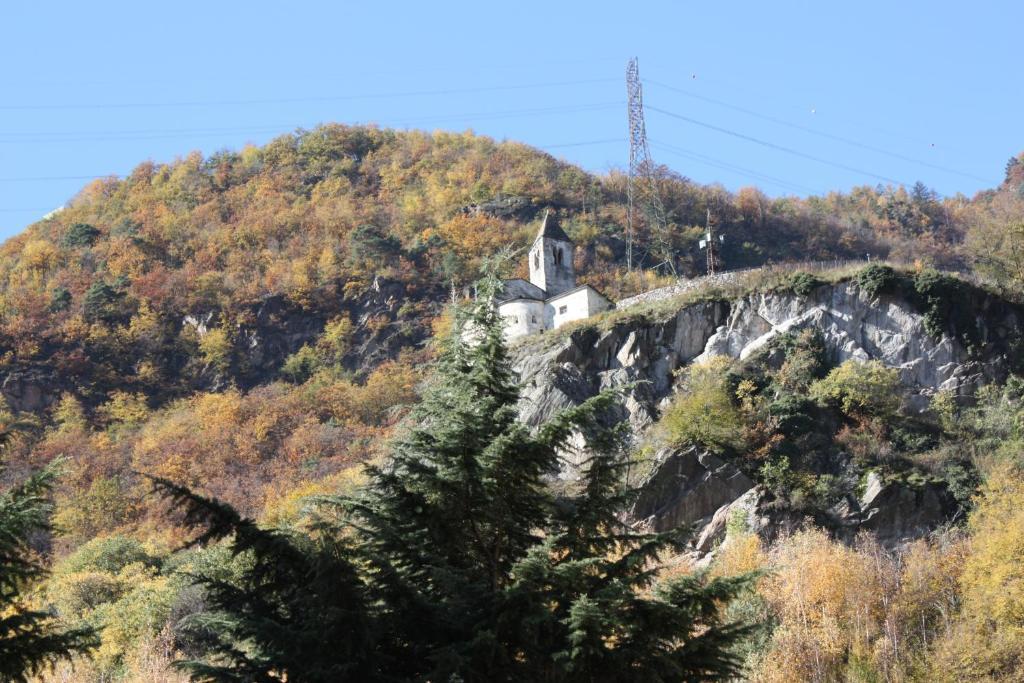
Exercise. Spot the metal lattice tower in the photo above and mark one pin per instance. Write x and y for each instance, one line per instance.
(642, 190)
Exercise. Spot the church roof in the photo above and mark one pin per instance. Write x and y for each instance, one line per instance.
(576, 289)
(550, 229)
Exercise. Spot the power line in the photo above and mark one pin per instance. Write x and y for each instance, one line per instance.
(290, 100)
(772, 145)
(728, 166)
(763, 94)
(819, 133)
(49, 178)
(157, 134)
(583, 144)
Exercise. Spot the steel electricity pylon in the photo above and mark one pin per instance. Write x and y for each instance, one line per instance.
(644, 199)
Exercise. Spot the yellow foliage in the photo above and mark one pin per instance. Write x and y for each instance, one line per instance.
(703, 411)
(39, 255)
(126, 409)
(987, 644)
(69, 413)
(286, 507)
(827, 598)
(215, 346)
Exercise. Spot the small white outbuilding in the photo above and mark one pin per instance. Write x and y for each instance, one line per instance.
(551, 298)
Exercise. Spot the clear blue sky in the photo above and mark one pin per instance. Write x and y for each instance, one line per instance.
(906, 91)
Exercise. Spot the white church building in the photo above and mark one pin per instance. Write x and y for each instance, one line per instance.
(551, 297)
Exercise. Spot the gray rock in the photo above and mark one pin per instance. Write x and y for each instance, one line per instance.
(687, 488)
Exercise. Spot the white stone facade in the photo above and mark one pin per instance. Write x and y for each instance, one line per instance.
(551, 298)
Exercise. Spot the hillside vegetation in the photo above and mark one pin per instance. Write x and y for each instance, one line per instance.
(257, 324)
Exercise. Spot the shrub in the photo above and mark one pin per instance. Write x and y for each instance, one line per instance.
(216, 348)
(703, 412)
(336, 340)
(301, 365)
(947, 307)
(857, 387)
(60, 299)
(805, 360)
(877, 279)
(108, 554)
(803, 284)
(80, 235)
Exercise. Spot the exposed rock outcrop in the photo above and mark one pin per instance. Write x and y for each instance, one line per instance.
(643, 351)
(897, 511)
(640, 352)
(687, 488)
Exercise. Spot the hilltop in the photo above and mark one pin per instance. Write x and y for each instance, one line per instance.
(373, 227)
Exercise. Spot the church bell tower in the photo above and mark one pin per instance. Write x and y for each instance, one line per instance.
(551, 258)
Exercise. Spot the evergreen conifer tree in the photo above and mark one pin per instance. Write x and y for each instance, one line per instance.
(298, 612)
(464, 563)
(30, 639)
(488, 575)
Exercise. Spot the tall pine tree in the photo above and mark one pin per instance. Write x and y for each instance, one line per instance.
(459, 562)
(29, 639)
(487, 575)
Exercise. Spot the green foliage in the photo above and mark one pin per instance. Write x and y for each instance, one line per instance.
(858, 387)
(80, 235)
(101, 302)
(296, 594)
(704, 411)
(106, 504)
(108, 554)
(301, 365)
(217, 348)
(948, 308)
(336, 340)
(877, 279)
(29, 639)
(371, 249)
(803, 284)
(60, 300)
(805, 360)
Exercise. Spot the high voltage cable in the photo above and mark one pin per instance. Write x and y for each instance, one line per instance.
(772, 145)
(155, 134)
(814, 131)
(745, 89)
(582, 144)
(61, 177)
(728, 166)
(459, 68)
(288, 100)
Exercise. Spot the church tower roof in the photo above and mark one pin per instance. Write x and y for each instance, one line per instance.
(550, 229)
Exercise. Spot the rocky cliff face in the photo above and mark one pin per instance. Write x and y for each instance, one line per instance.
(642, 351)
(645, 349)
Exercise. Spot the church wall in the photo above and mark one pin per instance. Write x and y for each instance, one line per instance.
(522, 317)
(573, 306)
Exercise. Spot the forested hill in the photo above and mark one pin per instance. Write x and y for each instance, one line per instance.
(255, 325)
(264, 247)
